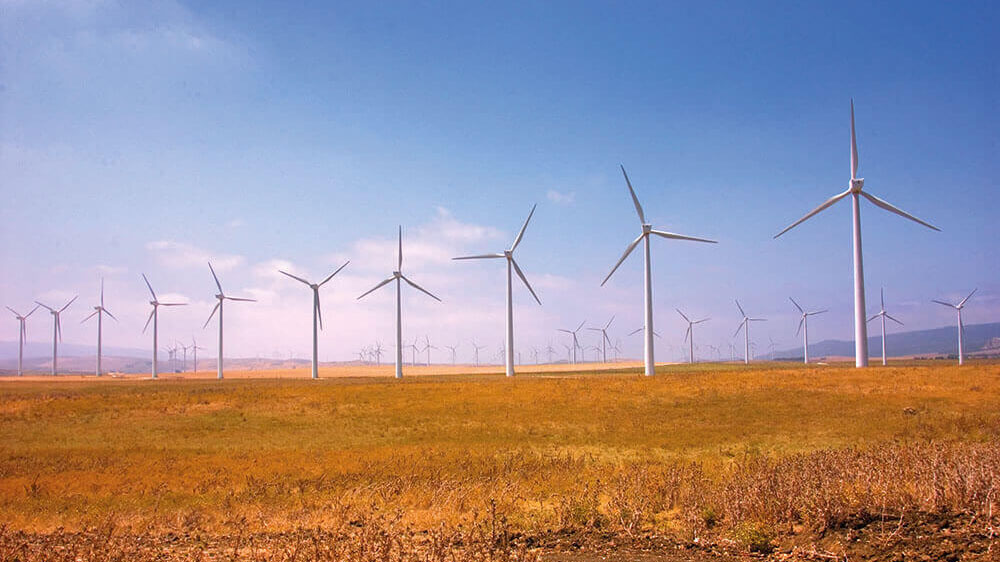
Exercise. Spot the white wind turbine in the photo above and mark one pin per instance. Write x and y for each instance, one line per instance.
(317, 313)
(961, 327)
(605, 341)
(804, 327)
(689, 334)
(883, 315)
(155, 316)
(195, 347)
(22, 334)
(511, 264)
(398, 277)
(99, 311)
(647, 229)
(855, 191)
(576, 342)
(453, 349)
(56, 330)
(222, 297)
(745, 326)
(475, 351)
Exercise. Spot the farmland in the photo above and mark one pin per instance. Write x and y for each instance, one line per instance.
(712, 454)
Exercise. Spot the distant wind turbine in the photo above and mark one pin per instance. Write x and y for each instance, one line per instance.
(745, 326)
(99, 311)
(689, 334)
(961, 327)
(475, 351)
(453, 349)
(398, 277)
(154, 315)
(511, 265)
(576, 342)
(195, 347)
(856, 192)
(22, 334)
(647, 229)
(428, 347)
(317, 313)
(221, 297)
(883, 315)
(804, 327)
(605, 341)
(56, 330)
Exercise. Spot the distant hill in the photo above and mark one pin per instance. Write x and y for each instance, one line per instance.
(980, 340)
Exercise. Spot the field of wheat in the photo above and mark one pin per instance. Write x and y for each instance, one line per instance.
(698, 453)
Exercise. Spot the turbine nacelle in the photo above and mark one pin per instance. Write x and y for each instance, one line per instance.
(856, 185)
(647, 228)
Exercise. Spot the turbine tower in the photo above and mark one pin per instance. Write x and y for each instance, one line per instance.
(647, 229)
(961, 327)
(317, 313)
(745, 326)
(99, 311)
(605, 341)
(804, 328)
(56, 330)
(855, 191)
(22, 335)
(511, 264)
(689, 334)
(222, 297)
(883, 315)
(155, 316)
(576, 342)
(398, 277)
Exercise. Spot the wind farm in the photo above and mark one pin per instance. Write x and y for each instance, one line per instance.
(358, 176)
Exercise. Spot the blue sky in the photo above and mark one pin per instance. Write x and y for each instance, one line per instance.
(150, 137)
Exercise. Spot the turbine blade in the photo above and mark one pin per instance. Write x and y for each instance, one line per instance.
(216, 277)
(757, 319)
(628, 251)
(15, 312)
(74, 298)
(740, 327)
(799, 329)
(948, 304)
(741, 308)
(594, 329)
(635, 331)
(520, 234)
(702, 320)
(608, 325)
(809, 215)
(524, 279)
(217, 305)
(818, 312)
(687, 333)
(108, 312)
(881, 292)
(173, 304)
(299, 279)
(686, 319)
(30, 313)
(59, 327)
(399, 266)
(240, 299)
(968, 297)
(334, 273)
(894, 320)
(889, 207)
(102, 292)
(150, 287)
(870, 319)
(50, 309)
(674, 236)
(421, 289)
(92, 314)
(580, 326)
(148, 320)
(796, 305)
(569, 332)
(376, 287)
(854, 146)
(656, 334)
(319, 309)
(635, 200)
(480, 257)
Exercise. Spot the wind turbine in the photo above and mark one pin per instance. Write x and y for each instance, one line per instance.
(56, 330)
(804, 327)
(475, 350)
(576, 342)
(184, 364)
(398, 276)
(883, 315)
(222, 297)
(22, 335)
(689, 334)
(961, 327)
(99, 311)
(453, 348)
(855, 191)
(604, 338)
(745, 326)
(195, 347)
(428, 347)
(317, 313)
(154, 315)
(511, 265)
(377, 351)
(647, 229)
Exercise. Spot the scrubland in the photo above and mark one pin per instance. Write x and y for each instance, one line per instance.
(774, 458)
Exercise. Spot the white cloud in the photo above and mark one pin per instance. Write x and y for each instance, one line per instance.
(560, 198)
(178, 255)
(236, 223)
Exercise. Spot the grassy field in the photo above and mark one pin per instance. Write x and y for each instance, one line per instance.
(697, 448)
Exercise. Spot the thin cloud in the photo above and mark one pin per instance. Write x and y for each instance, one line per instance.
(560, 198)
(178, 255)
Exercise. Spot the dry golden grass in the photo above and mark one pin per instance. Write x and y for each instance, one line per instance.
(696, 448)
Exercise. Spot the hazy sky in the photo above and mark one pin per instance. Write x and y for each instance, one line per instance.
(154, 136)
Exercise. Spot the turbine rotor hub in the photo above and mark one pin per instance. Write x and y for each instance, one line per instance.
(647, 228)
(857, 184)
(508, 253)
